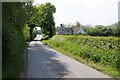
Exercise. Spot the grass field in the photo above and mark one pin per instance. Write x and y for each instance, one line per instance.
(101, 53)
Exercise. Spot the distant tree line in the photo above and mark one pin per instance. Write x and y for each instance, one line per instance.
(98, 30)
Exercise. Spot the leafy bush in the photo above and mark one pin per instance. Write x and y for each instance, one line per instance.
(26, 32)
(100, 30)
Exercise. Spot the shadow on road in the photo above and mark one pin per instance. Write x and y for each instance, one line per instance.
(44, 62)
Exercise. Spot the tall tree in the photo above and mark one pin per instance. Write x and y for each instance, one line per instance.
(78, 25)
(44, 18)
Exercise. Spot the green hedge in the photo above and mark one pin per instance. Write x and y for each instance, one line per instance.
(26, 32)
(13, 46)
(15, 33)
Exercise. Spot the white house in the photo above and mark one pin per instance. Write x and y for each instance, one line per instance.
(78, 31)
(64, 30)
(67, 30)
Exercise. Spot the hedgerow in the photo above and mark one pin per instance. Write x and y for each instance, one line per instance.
(15, 34)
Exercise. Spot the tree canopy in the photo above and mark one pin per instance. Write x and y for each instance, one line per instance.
(43, 17)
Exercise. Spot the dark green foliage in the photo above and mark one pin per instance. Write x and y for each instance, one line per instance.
(15, 33)
(26, 32)
(32, 31)
(44, 18)
(100, 30)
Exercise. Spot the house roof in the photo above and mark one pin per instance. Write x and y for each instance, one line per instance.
(66, 28)
(78, 30)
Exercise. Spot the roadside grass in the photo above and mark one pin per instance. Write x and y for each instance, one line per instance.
(83, 50)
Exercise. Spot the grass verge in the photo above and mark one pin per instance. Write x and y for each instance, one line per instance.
(96, 58)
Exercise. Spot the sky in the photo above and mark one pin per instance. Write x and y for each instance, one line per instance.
(119, 11)
(87, 12)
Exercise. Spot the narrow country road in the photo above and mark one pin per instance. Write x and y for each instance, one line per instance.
(44, 62)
